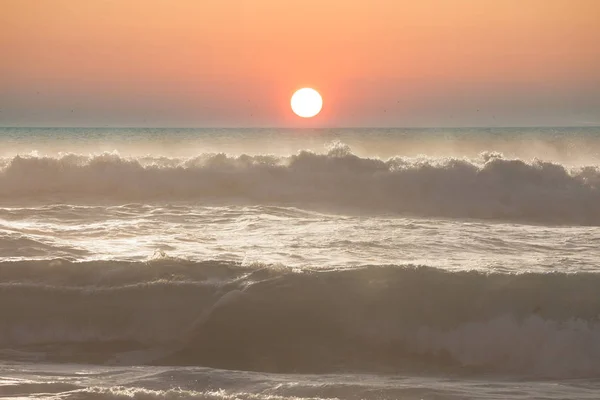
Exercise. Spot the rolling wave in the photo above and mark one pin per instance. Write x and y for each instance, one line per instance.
(490, 187)
(374, 318)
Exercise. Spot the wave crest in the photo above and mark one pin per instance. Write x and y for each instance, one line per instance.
(378, 318)
(488, 187)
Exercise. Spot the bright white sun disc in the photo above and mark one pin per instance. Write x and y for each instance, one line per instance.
(306, 102)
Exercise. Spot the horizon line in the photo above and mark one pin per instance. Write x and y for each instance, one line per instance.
(299, 128)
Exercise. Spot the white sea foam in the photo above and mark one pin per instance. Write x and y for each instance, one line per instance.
(488, 187)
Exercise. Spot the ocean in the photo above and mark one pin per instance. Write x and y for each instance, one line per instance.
(300, 263)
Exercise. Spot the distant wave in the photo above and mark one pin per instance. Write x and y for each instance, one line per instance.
(489, 187)
(374, 318)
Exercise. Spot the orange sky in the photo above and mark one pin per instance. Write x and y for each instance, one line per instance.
(237, 62)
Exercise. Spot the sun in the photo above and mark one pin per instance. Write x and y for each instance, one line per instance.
(306, 102)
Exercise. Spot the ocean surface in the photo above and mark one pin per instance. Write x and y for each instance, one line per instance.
(300, 264)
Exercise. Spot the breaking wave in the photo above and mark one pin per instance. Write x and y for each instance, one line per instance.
(374, 318)
(490, 187)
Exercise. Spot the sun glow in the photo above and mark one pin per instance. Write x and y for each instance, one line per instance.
(306, 102)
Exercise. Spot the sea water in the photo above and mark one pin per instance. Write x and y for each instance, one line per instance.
(292, 264)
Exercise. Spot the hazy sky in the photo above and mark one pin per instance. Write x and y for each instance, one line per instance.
(237, 62)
